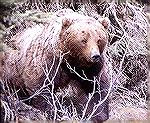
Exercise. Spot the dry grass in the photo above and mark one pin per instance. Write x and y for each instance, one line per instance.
(126, 52)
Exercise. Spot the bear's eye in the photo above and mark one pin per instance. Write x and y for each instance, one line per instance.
(84, 41)
(100, 42)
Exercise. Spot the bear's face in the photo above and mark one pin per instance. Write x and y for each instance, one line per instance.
(85, 41)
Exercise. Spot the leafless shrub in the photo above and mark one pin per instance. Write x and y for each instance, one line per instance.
(125, 60)
(128, 52)
(60, 111)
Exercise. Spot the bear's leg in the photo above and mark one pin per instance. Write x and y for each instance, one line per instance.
(80, 99)
(101, 113)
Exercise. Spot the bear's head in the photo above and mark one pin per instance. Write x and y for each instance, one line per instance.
(84, 39)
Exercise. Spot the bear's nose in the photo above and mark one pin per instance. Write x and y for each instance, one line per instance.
(96, 57)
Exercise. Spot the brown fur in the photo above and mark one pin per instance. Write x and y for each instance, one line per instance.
(67, 31)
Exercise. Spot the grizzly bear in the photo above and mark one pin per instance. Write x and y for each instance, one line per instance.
(61, 59)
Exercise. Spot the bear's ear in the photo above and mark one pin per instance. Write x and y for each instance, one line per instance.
(104, 21)
(66, 23)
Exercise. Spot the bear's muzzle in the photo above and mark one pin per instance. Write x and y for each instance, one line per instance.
(95, 55)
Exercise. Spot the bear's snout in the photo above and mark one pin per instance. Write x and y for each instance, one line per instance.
(96, 58)
(95, 55)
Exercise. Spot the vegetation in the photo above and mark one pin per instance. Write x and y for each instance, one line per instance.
(126, 56)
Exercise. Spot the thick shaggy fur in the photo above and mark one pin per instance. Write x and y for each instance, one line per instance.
(79, 37)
